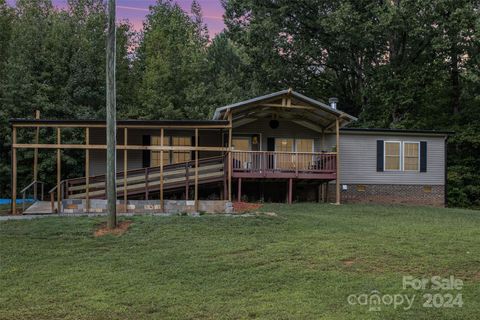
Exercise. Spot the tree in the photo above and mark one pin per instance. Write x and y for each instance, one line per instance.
(53, 60)
(6, 26)
(170, 59)
(395, 64)
(226, 74)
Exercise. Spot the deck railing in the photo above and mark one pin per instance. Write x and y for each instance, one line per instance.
(275, 161)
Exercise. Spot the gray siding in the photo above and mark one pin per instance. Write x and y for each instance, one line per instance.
(358, 161)
(286, 129)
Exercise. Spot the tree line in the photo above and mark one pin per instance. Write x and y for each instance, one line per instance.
(394, 64)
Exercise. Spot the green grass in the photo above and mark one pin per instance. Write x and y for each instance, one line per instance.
(5, 209)
(289, 266)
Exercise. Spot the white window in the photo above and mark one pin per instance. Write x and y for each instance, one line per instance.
(392, 155)
(411, 156)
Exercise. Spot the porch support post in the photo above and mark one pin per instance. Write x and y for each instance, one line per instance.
(162, 205)
(14, 171)
(187, 182)
(125, 168)
(239, 191)
(224, 190)
(59, 172)
(196, 170)
(337, 180)
(87, 169)
(322, 147)
(35, 156)
(146, 182)
(230, 156)
(290, 190)
(225, 183)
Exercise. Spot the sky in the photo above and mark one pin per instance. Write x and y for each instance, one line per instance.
(135, 11)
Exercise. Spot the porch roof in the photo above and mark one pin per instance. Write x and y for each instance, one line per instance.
(121, 123)
(285, 104)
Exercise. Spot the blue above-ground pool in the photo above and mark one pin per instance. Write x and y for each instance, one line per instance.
(19, 201)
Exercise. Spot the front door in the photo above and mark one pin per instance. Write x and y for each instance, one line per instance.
(284, 157)
(304, 149)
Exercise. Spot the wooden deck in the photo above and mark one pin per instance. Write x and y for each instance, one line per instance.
(284, 165)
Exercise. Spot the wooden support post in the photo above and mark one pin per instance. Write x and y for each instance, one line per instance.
(290, 190)
(87, 169)
(35, 156)
(230, 164)
(322, 147)
(125, 169)
(59, 173)
(239, 190)
(162, 205)
(52, 202)
(196, 170)
(14, 171)
(146, 183)
(187, 181)
(337, 191)
(225, 181)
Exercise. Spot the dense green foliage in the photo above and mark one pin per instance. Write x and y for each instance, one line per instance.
(302, 263)
(394, 64)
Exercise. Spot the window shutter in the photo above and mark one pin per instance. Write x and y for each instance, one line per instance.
(270, 147)
(380, 155)
(146, 141)
(270, 144)
(423, 156)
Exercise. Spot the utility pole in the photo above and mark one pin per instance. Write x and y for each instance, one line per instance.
(111, 119)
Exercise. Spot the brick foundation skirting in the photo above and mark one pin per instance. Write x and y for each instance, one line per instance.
(430, 195)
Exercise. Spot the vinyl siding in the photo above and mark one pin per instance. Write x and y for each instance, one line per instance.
(286, 129)
(358, 158)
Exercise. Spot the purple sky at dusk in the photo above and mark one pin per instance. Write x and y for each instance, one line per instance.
(135, 11)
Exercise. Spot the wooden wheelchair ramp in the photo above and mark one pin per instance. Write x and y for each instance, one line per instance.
(40, 207)
(147, 180)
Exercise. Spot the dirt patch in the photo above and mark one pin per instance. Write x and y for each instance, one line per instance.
(242, 207)
(121, 228)
(348, 262)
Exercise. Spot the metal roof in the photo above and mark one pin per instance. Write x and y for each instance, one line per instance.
(122, 122)
(401, 131)
(301, 109)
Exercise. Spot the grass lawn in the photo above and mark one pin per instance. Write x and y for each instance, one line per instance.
(301, 264)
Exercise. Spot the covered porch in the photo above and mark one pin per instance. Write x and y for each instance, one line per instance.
(286, 136)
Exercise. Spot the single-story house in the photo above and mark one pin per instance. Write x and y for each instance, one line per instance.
(280, 147)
